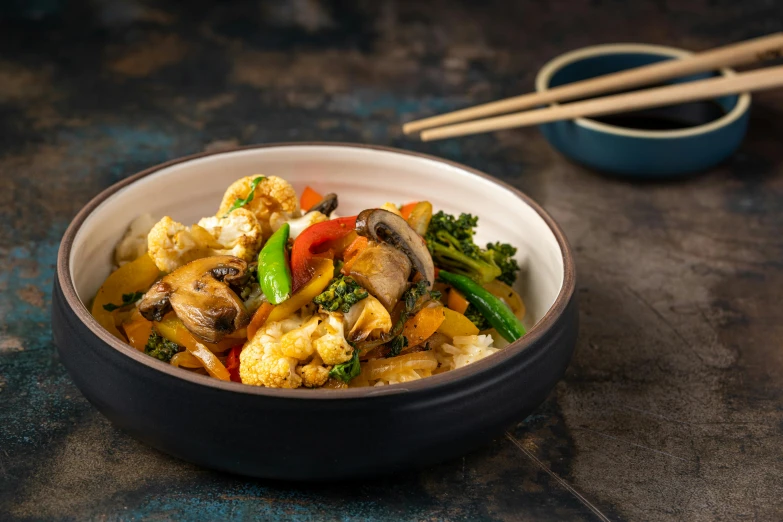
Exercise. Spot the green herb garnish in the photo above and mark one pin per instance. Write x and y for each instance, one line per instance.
(127, 299)
(396, 345)
(161, 348)
(347, 370)
(413, 299)
(239, 202)
(341, 294)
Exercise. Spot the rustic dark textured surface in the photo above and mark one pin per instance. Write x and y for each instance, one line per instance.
(672, 408)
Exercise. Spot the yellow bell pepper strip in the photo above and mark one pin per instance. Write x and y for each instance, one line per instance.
(407, 208)
(421, 326)
(136, 276)
(456, 324)
(274, 275)
(503, 291)
(323, 270)
(172, 329)
(419, 218)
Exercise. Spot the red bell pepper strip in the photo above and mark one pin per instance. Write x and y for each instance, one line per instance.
(306, 246)
(232, 363)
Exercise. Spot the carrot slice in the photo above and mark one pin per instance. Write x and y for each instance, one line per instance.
(407, 209)
(457, 301)
(309, 198)
(259, 318)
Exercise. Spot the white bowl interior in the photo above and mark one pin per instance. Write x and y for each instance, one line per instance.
(361, 177)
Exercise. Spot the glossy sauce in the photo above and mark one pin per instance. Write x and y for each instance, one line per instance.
(674, 117)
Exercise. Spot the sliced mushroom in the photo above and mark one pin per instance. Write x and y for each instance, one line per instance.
(383, 271)
(384, 226)
(200, 295)
(326, 206)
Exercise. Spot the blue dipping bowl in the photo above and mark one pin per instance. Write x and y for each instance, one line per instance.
(634, 152)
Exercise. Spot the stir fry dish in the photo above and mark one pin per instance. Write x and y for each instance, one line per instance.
(277, 290)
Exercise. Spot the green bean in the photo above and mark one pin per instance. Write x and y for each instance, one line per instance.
(274, 276)
(493, 309)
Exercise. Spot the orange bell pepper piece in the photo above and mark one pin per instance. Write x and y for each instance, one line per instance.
(422, 325)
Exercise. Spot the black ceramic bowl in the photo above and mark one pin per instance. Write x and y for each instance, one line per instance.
(316, 434)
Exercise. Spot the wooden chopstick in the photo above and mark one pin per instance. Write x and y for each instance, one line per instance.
(757, 49)
(757, 80)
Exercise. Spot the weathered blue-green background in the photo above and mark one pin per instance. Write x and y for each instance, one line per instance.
(673, 405)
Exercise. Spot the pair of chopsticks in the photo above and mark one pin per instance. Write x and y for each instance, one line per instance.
(759, 49)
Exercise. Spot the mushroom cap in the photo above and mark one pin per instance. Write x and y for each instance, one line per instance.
(200, 294)
(387, 227)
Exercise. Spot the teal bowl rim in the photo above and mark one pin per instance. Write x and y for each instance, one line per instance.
(544, 76)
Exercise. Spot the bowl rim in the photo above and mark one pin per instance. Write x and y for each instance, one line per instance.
(541, 328)
(546, 73)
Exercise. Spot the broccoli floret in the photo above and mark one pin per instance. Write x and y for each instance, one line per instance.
(503, 254)
(161, 348)
(476, 318)
(341, 294)
(450, 242)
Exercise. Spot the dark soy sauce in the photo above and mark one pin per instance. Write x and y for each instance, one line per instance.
(673, 117)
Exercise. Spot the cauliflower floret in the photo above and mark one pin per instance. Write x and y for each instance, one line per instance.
(262, 364)
(298, 225)
(272, 194)
(239, 232)
(332, 346)
(314, 374)
(297, 343)
(172, 244)
(134, 243)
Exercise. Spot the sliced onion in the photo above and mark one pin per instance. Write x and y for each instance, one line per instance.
(382, 368)
(185, 360)
(209, 361)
